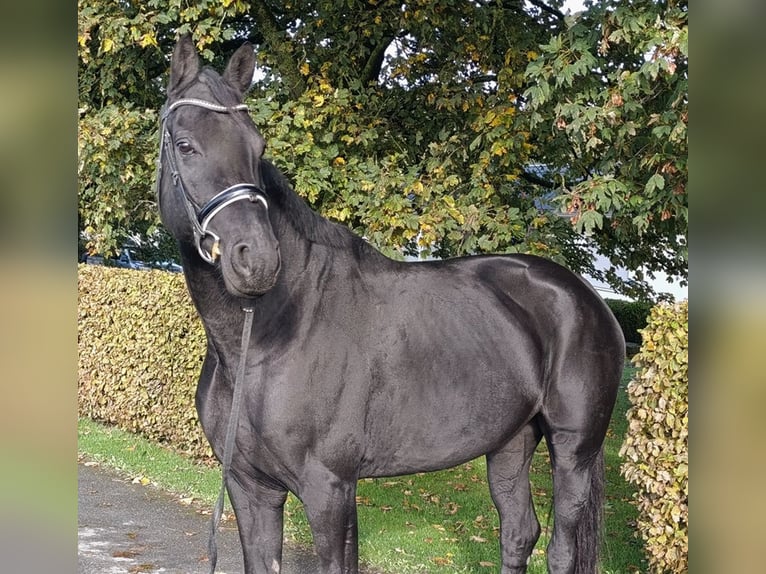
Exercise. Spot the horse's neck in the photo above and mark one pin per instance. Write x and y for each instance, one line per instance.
(216, 308)
(223, 314)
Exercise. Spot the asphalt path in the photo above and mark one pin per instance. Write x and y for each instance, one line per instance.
(128, 528)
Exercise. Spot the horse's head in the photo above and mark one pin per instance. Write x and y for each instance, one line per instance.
(209, 184)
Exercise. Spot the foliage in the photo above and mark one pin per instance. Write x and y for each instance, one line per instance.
(632, 317)
(405, 121)
(115, 154)
(140, 350)
(609, 103)
(655, 451)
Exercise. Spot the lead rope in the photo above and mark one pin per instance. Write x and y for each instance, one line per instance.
(231, 434)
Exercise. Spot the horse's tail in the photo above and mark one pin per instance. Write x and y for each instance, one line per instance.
(588, 535)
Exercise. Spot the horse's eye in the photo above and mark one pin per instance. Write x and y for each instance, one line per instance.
(184, 147)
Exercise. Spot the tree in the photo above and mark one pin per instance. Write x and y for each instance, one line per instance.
(418, 124)
(609, 105)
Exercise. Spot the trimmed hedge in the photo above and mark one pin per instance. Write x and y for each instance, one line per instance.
(656, 444)
(632, 317)
(141, 346)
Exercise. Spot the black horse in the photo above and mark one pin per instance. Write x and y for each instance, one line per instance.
(361, 366)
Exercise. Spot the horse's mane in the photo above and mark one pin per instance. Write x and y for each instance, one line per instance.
(301, 217)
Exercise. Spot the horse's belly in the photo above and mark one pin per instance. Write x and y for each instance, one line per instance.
(434, 430)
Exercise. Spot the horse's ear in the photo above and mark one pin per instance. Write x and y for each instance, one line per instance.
(184, 64)
(239, 70)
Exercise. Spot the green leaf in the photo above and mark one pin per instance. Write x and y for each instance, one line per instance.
(657, 181)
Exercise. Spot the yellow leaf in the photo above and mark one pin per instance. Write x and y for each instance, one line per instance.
(107, 45)
(304, 69)
(147, 40)
(417, 187)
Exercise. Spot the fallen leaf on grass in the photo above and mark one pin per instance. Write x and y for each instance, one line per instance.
(478, 539)
(442, 560)
(486, 564)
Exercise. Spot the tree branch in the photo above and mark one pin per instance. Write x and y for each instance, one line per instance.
(371, 71)
(483, 79)
(532, 178)
(545, 8)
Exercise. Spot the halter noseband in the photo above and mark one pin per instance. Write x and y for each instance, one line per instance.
(201, 218)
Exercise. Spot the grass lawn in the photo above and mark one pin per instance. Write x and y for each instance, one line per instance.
(434, 522)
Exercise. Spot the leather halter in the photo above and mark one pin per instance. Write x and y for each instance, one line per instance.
(200, 218)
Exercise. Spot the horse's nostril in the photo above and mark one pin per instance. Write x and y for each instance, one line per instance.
(241, 257)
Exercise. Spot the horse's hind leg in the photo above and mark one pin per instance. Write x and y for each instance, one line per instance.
(574, 429)
(508, 475)
(578, 482)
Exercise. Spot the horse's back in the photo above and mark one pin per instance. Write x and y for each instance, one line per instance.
(539, 295)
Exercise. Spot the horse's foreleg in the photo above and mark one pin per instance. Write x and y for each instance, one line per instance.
(508, 475)
(259, 510)
(330, 505)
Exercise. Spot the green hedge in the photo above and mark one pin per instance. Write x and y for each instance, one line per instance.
(141, 347)
(632, 317)
(656, 444)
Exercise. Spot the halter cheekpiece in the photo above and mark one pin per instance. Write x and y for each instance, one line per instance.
(200, 218)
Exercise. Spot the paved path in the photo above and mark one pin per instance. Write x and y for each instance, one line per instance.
(126, 528)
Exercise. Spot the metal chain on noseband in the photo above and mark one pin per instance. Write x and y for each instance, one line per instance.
(231, 435)
(200, 218)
